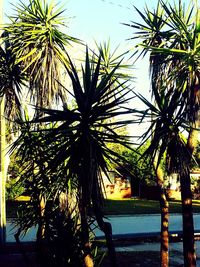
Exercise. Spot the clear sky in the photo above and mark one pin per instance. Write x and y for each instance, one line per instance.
(102, 19)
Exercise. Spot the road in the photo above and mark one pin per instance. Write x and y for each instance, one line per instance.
(135, 225)
(146, 224)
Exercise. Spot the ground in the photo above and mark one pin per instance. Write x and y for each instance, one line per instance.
(125, 259)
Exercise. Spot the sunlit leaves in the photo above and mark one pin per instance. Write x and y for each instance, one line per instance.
(110, 59)
(39, 44)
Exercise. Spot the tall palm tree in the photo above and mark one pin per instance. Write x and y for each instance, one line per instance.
(151, 34)
(11, 84)
(33, 47)
(77, 144)
(178, 65)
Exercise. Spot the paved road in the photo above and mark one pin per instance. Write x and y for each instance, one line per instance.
(135, 225)
(146, 224)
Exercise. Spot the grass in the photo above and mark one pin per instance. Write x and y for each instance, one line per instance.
(143, 206)
(118, 206)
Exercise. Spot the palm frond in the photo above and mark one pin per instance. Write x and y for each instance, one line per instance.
(40, 46)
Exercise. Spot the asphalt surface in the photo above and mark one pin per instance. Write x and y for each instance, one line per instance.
(144, 225)
(132, 226)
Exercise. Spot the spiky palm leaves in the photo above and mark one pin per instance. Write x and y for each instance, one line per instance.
(110, 59)
(85, 130)
(165, 130)
(39, 45)
(53, 203)
(75, 150)
(171, 35)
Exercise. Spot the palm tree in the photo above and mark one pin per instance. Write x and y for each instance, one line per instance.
(11, 84)
(167, 147)
(178, 53)
(187, 60)
(152, 35)
(33, 47)
(77, 144)
(110, 59)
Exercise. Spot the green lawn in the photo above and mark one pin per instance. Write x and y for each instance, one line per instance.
(121, 207)
(143, 206)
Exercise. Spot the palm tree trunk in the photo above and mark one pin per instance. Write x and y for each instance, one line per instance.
(88, 261)
(105, 227)
(41, 214)
(2, 177)
(164, 244)
(188, 224)
(164, 209)
(186, 194)
(2, 162)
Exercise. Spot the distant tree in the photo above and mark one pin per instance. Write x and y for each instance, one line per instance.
(139, 169)
(195, 164)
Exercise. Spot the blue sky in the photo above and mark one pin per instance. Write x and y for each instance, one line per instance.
(98, 19)
(102, 19)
